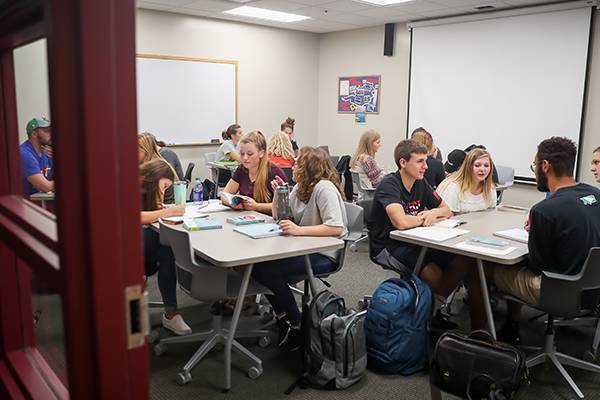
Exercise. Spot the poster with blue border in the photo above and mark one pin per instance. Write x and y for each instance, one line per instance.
(359, 91)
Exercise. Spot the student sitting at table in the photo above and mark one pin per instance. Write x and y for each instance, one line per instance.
(405, 200)
(229, 151)
(287, 127)
(318, 209)
(363, 161)
(156, 176)
(471, 188)
(36, 157)
(562, 229)
(596, 164)
(149, 148)
(280, 150)
(435, 168)
(252, 178)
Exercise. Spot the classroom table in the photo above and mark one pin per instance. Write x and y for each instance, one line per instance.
(46, 200)
(480, 224)
(227, 248)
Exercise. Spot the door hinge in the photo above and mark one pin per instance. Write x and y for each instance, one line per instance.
(136, 309)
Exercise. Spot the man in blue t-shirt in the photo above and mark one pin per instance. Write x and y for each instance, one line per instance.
(36, 157)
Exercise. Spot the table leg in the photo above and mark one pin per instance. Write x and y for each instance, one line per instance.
(419, 264)
(486, 299)
(234, 321)
(311, 277)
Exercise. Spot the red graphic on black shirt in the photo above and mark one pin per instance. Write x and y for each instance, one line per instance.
(437, 196)
(412, 207)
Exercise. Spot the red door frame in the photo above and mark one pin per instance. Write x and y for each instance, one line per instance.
(92, 250)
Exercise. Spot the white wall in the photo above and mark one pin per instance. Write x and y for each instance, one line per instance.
(277, 75)
(360, 52)
(31, 80)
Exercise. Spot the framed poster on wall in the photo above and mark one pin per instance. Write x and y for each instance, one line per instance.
(359, 91)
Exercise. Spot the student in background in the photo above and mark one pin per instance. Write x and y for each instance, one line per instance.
(171, 158)
(253, 177)
(471, 187)
(287, 127)
(404, 200)
(280, 150)
(596, 164)
(434, 174)
(36, 157)
(318, 209)
(363, 161)
(229, 151)
(455, 159)
(148, 150)
(559, 241)
(156, 176)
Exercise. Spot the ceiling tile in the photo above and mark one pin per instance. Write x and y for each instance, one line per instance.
(277, 5)
(314, 3)
(212, 5)
(151, 6)
(355, 19)
(193, 11)
(318, 12)
(347, 6)
(172, 3)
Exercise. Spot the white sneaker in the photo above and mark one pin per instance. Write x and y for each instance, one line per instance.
(176, 325)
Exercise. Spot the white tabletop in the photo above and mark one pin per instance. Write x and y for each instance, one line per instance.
(227, 248)
(42, 196)
(481, 224)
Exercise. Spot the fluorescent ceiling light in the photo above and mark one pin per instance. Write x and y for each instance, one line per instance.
(383, 2)
(263, 13)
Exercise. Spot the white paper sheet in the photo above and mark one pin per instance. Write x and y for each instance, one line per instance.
(449, 223)
(344, 88)
(517, 234)
(434, 233)
(500, 251)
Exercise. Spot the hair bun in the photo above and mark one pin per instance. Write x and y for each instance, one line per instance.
(290, 121)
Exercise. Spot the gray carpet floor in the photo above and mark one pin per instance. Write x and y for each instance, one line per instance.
(358, 277)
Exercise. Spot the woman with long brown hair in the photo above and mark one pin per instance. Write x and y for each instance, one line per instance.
(252, 178)
(155, 177)
(317, 205)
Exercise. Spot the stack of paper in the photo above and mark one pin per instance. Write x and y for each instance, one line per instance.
(517, 234)
(200, 224)
(450, 223)
(259, 231)
(435, 233)
(496, 251)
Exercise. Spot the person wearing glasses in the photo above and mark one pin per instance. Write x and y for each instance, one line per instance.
(36, 157)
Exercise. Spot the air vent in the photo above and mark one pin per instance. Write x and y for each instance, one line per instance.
(484, 8)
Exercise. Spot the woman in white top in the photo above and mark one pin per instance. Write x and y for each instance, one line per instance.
(229, 151)
(471, 188)
(363, 161)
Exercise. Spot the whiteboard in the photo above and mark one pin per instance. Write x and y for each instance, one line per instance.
(507, 82)
(185, 100)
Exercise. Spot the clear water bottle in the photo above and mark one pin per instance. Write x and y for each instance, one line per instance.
(281, 203)
(197, 191)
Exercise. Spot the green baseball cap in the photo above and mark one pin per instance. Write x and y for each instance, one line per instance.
(35, 123)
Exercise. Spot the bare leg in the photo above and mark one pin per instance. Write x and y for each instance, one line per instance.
(432, 275)
(453, 275)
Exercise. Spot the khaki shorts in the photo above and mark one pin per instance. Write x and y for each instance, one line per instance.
(519, 282)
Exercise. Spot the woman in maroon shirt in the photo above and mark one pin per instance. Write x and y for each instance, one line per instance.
(252, 178)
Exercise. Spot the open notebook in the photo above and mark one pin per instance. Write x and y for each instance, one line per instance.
(435, 233)
(518, 234)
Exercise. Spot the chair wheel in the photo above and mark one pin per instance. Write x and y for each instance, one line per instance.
(254, 372)
(590, 357)
(184, 377)
(160, 349)
(363, 304)
(353, 247)
(153, 337)
(264, 341)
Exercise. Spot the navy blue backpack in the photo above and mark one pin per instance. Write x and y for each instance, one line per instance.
(397, 326)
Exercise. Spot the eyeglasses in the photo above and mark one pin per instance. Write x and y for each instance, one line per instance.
(532, 167)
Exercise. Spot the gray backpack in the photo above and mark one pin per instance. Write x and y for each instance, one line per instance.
(335, 354)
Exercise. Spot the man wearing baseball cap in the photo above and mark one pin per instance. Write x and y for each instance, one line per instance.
(36, 157)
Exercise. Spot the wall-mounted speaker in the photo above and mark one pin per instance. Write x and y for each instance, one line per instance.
(388, 40)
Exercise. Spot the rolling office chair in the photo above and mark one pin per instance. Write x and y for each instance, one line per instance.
(506, 178)
(366, 205)
(205, 282)
(188, 172)
(565, 296)
(363, 193)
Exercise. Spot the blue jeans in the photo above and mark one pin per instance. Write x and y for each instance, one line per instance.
(277, 274)
(159, 258)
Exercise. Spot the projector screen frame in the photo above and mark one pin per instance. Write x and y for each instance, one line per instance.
(507, 13)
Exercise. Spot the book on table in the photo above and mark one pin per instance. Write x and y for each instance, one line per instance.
(246, 219)
(235, 199)
(517, 234)
(259, 231)
(434, 233)
(201, 224)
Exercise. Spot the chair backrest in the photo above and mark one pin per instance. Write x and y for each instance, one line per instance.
(569, 295)
(334, 160)
(367, 206)
(188, 172)
(197, 278)
(506, 175)
(210, 157)
(355, 217)
(358, 187)
(325, 148)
